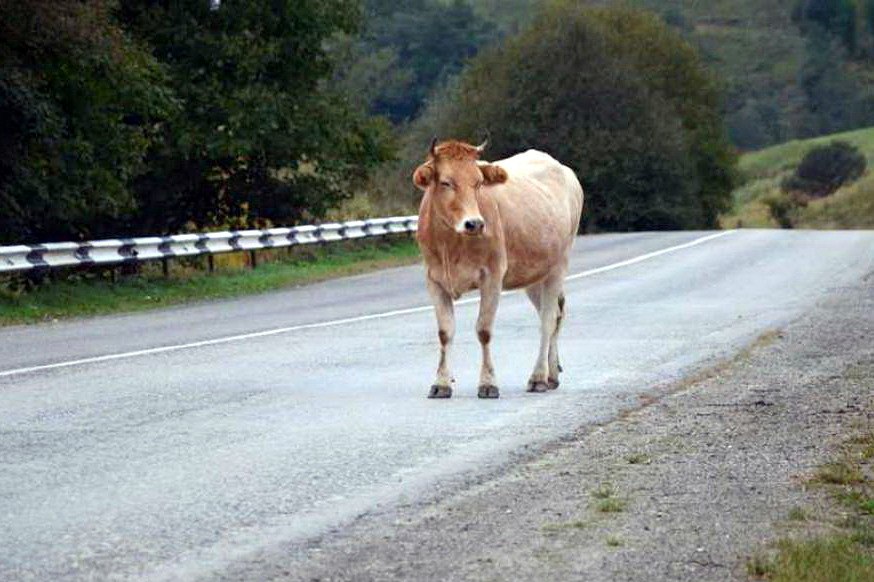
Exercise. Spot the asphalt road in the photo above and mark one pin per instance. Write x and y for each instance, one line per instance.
(172, 444)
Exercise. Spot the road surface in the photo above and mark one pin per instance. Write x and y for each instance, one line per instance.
(173, 444)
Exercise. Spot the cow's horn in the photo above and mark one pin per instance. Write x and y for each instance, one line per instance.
(482, 147)
(433, 148)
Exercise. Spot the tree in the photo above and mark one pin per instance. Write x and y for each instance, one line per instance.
(619, 97)
(837, 17)
(260, 137)
(426, 42)
(869, 15)
(80, 106)
(834, 100)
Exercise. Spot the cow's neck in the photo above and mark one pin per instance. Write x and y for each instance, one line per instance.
(456, 258)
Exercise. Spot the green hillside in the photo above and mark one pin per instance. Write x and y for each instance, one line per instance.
(850, 207)
(784, 77)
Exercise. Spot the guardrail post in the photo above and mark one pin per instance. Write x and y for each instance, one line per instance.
(210, 263)
(253, 259)
(165, 267)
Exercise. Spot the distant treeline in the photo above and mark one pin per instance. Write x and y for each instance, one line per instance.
(792, 69)
(789, 69)
(127, 117)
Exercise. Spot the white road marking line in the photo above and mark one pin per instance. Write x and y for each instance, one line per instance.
(648, 256)
(344, 321)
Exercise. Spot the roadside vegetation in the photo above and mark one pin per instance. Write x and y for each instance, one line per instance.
(846, 553)
(123, 118)
(615, 94)
(84, 294)
(767, 198)
(792, 69)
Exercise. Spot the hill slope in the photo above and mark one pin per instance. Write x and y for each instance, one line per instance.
(781, 82)
(850, 207)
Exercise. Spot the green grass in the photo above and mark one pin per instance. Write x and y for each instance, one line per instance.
(849, 207)
(760, 567)
(847, 555)
(611, 505)
(797, 514)
(763, 171)
(772, 161)
(842, 472)
(607, 501)
(604, 491)
(827, 559)
(95, 294)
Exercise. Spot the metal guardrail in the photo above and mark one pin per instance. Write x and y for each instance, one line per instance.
(134, 250)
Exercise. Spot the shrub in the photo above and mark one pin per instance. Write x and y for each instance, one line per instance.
(782, 208)
(80, 106)
(824, 169)
(617, 96)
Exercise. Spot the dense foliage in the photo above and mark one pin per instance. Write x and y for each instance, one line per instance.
(826, 168)
(126, 117)
(849, 21)
(131, 116)
(259, 136)
(793, 69)
(80, 106)
(620, 98)
(408, 49)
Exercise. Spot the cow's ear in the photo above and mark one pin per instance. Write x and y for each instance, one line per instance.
(493, 174)
(423, 176)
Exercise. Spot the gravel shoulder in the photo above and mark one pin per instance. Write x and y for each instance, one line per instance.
(687, 486)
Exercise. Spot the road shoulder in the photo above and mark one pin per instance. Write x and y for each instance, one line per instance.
(688, 486)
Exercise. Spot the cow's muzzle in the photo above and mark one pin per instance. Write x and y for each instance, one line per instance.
(473, 226)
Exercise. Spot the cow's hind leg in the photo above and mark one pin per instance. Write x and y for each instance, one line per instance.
(534, 293)
(547, 295)
(443, 308)
(554, 362)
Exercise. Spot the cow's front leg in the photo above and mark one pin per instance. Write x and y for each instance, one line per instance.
(442, 387)
(490, 293)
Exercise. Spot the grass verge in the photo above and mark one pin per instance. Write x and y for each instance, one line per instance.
(847, 554)
(763, 172)
(88, 294)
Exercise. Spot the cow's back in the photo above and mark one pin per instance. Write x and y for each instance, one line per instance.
(540, 207)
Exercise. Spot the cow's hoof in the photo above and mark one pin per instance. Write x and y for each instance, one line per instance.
(552, 383)
(488, 391)
(440, 392)
(537, 386)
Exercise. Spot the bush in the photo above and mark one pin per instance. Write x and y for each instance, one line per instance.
(260, 139)
(125, 118)
(826, 168)
(80, 107)
(617, 96)
(783, 208)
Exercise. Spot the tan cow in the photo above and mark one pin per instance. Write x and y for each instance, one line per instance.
(509, 224)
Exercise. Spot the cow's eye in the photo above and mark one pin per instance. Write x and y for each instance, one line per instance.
(446, 184)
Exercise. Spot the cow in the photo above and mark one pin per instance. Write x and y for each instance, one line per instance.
(508, 224)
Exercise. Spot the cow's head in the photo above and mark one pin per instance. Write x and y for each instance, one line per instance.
(452, 178)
